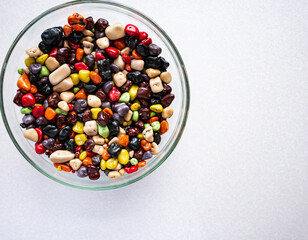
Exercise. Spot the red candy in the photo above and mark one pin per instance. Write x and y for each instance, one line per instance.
(90, 154)
(147, 41)
(40, 134)
(81, 66)
(73, 134)
(114, 94)
(126, 58)
(70, 106)
(78, 148)
(131, 30)
(99, 56)
(39, 148)
(53, 52)
(38, 111)
(131, 169)
(113, 52)
(73, 45)
(142, 36)
(28, 100)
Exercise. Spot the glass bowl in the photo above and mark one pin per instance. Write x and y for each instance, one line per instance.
(114, 12)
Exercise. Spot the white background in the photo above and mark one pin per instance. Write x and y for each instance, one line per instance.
(240, 170)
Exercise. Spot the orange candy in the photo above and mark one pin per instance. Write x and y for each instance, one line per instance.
(127, 67)
(81, 94)
(33, 89)
(77, 21)
(124, 140)
(50, 113)
(64, 167)
(153, 119)
(120, 44)
(23, 82)
(95, 77)
(67, 29)
(108, 111)
(136, 55)
(79, 54)
(105, 155)
(164, 127)
(87, 161)
(146, 145)
(142, 163)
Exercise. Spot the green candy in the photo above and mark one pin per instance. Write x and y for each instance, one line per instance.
(103, 131)
(152, 114)
(20, 71)
(59, 111)
(146, 125)
(133, 161)
(44, 72)
(76, 89)
(84, 59)
(135, 116)
(155, 126)
(125, 97)
(93, 29)
(26, 110)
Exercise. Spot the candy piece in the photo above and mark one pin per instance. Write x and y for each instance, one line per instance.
(94, 101)
(115, 31)
(65, 85)
(61, 156)
(90, 128)
(31, 134)
(80, 139)
(60, 74)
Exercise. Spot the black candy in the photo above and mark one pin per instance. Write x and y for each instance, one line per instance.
(114, 150)
(50, 130)
(134, 143)
(135, 77)
(65, 133)
(113, 126)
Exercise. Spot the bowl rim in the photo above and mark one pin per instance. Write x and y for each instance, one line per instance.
(179, 58)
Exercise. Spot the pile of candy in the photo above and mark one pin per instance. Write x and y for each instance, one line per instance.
(95, 96)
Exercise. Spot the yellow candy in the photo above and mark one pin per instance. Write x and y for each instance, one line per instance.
(29, 61)
(140, 136)
(78, 127)
(133, 92)
(158, 108)
(127, 123)
(103, 164)
(94, 112)
(59, 168)
(41, 59)
(123, 157)
(106, 140)
(80, 139)
(135, 106)
(75, 78)
(84, 76)
(83, 155)
(95, 66)
(111, 163)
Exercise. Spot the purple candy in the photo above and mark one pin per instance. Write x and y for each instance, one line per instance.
(28, 119)
(35, 68)
(82, 172)
(146, 155)
(107, 87)
(106, 104)
(117, 117)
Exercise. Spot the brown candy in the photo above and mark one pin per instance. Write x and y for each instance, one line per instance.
(53, 99)
(87, 115)
(101, 95)
(71, 118)
(89, 145)
(103, 118)
(144, 114)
